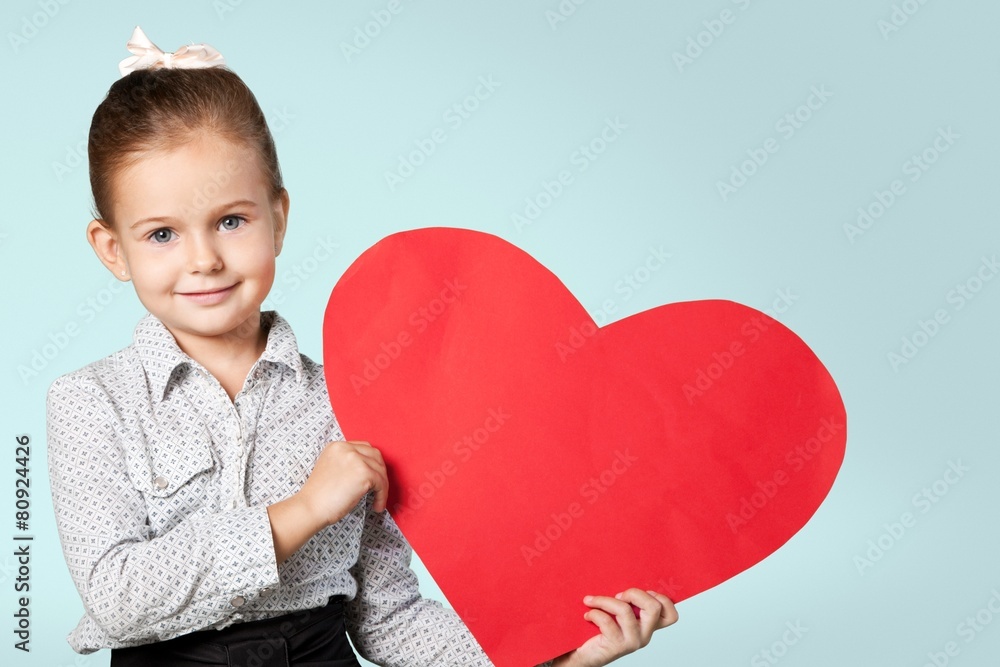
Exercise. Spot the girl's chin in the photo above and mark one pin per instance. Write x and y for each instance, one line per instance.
(209, 324)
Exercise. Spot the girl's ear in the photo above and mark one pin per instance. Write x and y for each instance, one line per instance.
(280, 217)
(105, 243)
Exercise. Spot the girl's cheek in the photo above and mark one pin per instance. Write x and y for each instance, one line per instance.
(265, 260)
(156, 273)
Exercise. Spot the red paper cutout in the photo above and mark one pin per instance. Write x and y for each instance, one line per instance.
(535, 459)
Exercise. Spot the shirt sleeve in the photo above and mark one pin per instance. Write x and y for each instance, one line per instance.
(136, 587)
(388, 620)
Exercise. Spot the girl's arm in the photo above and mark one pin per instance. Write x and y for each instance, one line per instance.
(135, 587)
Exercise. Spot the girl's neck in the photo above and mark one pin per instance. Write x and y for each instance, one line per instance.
(228, 357)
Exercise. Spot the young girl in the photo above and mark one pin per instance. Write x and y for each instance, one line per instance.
(208, 508)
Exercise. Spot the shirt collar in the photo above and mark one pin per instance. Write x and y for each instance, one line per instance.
(160, 355)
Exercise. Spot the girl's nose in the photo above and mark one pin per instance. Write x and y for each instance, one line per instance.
(203, 255)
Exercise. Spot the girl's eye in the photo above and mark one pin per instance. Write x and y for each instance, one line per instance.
(229, 219)
(161, 236)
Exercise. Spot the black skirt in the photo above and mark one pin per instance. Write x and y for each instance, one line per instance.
(308, 638)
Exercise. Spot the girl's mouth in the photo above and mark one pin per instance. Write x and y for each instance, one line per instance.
(209, 298)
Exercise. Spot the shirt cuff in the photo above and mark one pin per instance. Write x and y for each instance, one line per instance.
(245, 564)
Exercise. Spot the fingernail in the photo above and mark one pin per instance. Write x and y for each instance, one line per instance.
(587, 599)
(619, 596)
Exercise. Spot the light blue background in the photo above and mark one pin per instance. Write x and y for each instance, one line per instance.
(341, 122)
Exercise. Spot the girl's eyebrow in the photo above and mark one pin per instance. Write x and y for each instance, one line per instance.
(217, 211)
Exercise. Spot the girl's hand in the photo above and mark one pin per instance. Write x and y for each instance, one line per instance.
(621, 631)
(343, 474)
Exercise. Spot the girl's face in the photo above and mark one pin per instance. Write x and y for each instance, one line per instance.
(197, 235)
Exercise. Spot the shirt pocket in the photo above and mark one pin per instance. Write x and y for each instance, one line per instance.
(176, 478)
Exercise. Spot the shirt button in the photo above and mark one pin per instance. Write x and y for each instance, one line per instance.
(232, 504)
(160, 482)
(265, 591)
(238, 601)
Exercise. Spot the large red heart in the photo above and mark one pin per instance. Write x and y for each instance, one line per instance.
(535, 458)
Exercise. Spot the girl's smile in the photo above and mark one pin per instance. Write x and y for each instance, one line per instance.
(209, 297)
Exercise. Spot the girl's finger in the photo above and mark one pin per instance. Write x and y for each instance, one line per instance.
(628, 625)
(380, 484)
(371, 456)
(669, 615)
(377, 470)
(381, 498)
(607, 625)
(650, 611)
(364, 448)
(374, 462)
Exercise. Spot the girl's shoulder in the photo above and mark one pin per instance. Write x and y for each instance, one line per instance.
(112, 375)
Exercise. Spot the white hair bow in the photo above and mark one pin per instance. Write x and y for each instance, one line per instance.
(148, 55)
